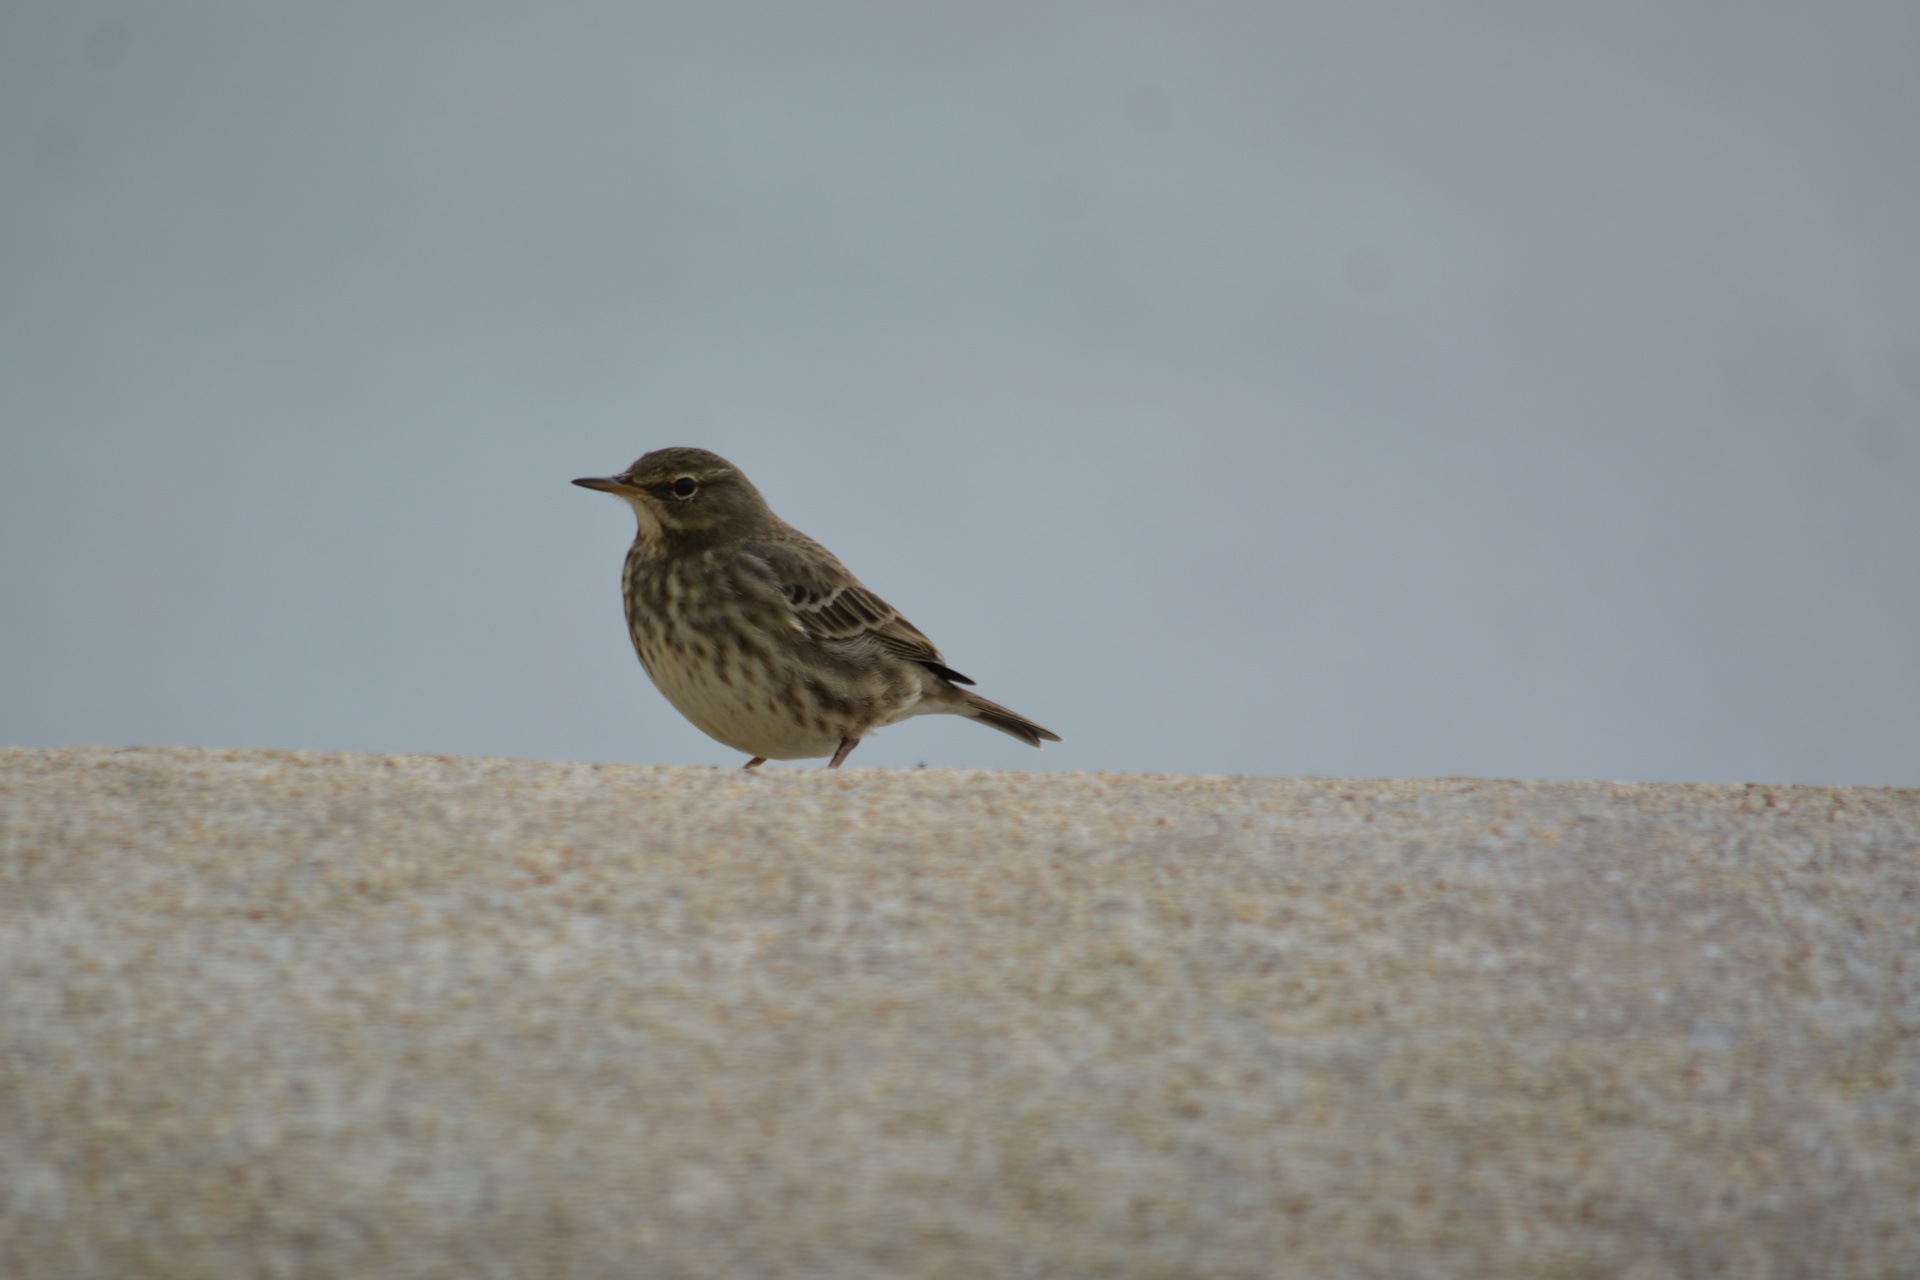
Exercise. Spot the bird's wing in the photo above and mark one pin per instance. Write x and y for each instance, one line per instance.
(829, 604)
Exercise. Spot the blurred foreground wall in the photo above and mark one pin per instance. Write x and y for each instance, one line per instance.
(286, 1014)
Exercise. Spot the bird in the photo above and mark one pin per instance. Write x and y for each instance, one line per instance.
(758, 635)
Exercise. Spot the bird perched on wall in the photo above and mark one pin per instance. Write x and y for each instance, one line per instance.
(758, 634)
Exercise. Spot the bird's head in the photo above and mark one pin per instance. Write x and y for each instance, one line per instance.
(682, 492)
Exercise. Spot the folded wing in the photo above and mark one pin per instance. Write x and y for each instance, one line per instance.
(830, 605)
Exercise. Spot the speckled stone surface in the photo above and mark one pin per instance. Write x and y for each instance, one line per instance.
(284, 1014)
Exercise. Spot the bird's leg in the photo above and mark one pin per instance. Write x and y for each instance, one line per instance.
(754, 763)
(846, 749)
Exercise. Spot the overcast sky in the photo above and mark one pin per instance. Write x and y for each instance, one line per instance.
(1328, 388)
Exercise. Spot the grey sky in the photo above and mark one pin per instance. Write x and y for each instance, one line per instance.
(1335, 388)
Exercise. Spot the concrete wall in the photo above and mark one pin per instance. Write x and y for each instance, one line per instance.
(286, 1014)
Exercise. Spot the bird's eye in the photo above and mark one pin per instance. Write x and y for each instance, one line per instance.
(684, 487)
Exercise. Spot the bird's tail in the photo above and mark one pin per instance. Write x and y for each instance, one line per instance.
(1009, 722)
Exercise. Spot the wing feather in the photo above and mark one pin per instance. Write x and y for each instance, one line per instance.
(831, 605)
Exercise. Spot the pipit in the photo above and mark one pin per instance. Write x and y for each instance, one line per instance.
(758, 634)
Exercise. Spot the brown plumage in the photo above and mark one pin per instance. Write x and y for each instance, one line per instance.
(758, 634)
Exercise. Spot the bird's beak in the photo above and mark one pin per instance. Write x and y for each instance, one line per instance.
(605, 484)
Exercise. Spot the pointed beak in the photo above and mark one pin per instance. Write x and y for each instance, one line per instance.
(605, 484)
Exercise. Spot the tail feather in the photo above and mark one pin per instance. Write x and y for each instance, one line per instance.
(1009, 722)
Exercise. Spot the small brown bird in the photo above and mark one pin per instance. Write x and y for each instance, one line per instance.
(758, 635)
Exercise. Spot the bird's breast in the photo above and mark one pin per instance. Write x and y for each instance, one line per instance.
(731, 661)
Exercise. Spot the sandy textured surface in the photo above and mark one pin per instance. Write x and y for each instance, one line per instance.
(286, 1014)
